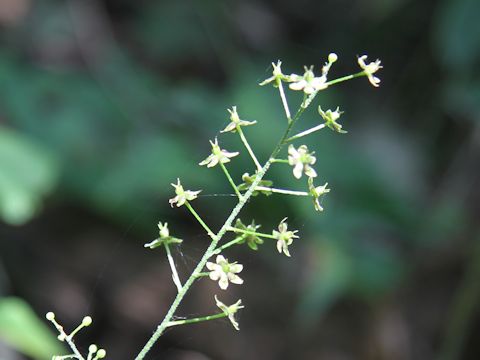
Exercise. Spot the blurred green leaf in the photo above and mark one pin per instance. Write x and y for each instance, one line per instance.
(27, 173)
(22, 329)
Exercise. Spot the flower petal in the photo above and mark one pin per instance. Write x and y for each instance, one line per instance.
(235, 279)
(223, 282)
(297, 170)
(236, 268)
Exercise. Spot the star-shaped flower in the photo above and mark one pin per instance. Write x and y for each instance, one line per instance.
(164, 238)
(316, 193)
(308, 82)
(224, 272)
(331, 118)
(230, 310)
(252, 240)
(370, 69)
(301, 160)
(217, 156)
(284, 237)
(182, 195)
(277, 75)
(236, 121)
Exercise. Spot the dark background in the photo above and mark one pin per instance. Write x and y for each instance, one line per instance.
(103, 104)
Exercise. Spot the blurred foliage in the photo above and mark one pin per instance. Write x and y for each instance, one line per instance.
(21, 328)
(27, 173)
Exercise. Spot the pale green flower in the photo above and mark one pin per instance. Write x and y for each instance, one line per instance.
(164, 238)
(308, 82)
(235, 120)
(224, 272)
(217, 156)
(370, 69)
(284, 237)
(277, 74)
(316, 193)
(230, 310)
(182, 195)
(331, 118)
(301, 160)
(252, 240)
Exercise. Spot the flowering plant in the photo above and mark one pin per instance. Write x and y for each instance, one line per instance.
(213, 264)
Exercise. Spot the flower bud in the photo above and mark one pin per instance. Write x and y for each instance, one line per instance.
(87, 321)
(332, 57)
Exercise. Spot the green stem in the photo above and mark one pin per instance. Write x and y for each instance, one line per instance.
(202, 274)
(227, 245)
(215, 239)
(284, 100)
(282, 191)
(69, 339)
(230, 180)
(199, 219)
(248, 232)
(283, 161)
(196, 320)
(249, 149)
(176, 279)
(306, 132)
(345, 78)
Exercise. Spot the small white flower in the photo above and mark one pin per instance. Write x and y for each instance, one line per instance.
(217, 156)
(301, 160)
(316, 193)
(230, 310)
(224, 272)
(284, 237)
(182, 195)
(370, 69)
(235, 120)
(308, 82)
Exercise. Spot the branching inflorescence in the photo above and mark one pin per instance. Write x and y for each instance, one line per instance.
(213, 263)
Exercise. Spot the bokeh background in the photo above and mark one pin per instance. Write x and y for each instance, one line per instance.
(103, 104)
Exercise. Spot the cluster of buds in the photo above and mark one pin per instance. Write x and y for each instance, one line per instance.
(94, 353)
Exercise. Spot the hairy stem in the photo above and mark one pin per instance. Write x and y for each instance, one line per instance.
(216, 238)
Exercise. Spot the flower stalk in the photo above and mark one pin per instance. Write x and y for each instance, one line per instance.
(175, 277)
(299, 158)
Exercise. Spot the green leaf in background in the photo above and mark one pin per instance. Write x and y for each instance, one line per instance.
(27, 173)
(22, 329)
